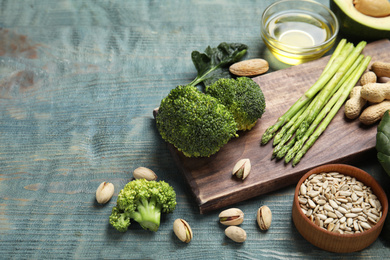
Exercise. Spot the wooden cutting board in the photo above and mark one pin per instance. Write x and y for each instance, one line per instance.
(210, 179)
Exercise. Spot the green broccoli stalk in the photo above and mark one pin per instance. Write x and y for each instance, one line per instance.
(143, 201)
(242, 97)
(197, 124)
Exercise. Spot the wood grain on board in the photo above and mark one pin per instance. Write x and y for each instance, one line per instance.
(344, 140)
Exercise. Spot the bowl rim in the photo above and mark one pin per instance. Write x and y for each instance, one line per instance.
(295, 48)
(344, 167)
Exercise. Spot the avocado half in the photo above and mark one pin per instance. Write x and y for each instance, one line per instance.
(357, 25)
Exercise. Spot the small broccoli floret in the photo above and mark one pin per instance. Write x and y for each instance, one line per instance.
(143, 201)
(243, 97)
(195, 123)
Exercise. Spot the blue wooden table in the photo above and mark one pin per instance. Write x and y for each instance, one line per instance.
(78, 83)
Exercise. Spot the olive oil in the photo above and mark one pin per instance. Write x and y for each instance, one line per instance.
(295, 31)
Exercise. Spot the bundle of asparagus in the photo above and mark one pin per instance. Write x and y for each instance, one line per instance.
(298, 129)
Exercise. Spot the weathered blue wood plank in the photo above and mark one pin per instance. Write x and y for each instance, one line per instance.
(78, 83)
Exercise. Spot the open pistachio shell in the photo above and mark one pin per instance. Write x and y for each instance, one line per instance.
(264, 217)
(182, 230)
(231, 217)
(242, 168)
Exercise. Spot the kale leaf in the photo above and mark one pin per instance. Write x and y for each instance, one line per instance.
(214, 63)
(383, 142)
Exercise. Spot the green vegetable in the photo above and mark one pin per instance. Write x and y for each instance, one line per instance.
(383, 142)
(346, 62)
(195, 123)
(329, 72)
(143, 201)
(242, 97)
(326, 106)
(307, 118)
(214, 63)
(332, 108)
(292, 151)
(287, 132)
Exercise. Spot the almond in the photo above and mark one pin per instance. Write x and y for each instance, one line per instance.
(249, 68)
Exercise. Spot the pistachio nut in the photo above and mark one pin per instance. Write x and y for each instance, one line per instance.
(182, 230)
(104, 192)
(242, 168)
(236, 234)
(231, 217)
(144, 173)
(264, 217)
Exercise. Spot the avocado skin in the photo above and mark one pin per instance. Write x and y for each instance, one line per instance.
(353, 29)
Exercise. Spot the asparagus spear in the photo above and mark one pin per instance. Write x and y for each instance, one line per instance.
(348, 85)
(327, 90)
(270, 131)
(305, 98)
(285, 149)
(282, 134)
(280, 149)
(336, 52)
(299, 143)
(287, 131)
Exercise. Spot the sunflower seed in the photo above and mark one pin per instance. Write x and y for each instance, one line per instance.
(330, 227)
(356, 210)
(332, 215)
(365, 225)
(327, 207)
(303, 190)
(333, 204)
(351, 215)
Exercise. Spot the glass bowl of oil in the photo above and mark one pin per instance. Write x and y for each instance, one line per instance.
(298, 31)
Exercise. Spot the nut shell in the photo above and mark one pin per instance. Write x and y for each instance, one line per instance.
(182, 230)
(249, 68)
(374, 113)
(236, 234)
(231, 217)
(368, 77)
(242, 168)
(144, 173)
(264, 217)
(381, 69)
(104, 192)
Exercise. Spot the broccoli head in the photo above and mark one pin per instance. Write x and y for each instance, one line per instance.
(242, 96)
(195, 123)
(143, 201)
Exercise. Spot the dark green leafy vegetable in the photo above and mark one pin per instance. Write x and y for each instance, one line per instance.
(383, 142)
(214, 63)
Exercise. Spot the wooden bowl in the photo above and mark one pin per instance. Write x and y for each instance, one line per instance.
(336, 242)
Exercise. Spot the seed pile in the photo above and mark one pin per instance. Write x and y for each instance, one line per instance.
(339, 203)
